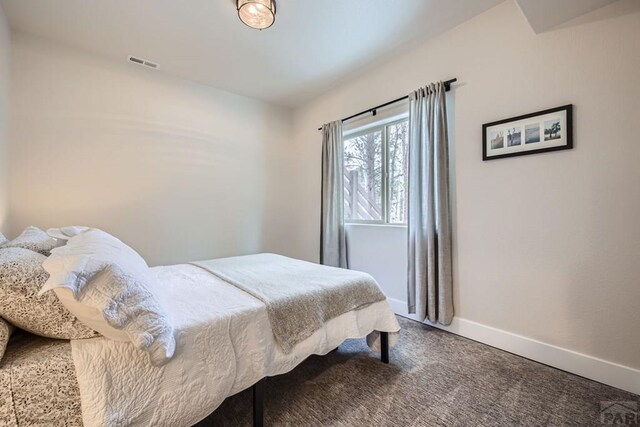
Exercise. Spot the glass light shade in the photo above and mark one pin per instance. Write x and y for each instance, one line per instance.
(259, 14)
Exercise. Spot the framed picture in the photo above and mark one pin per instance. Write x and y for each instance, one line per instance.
(547, 130)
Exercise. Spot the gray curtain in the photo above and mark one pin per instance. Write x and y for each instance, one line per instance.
(429, 227)
(333, 246)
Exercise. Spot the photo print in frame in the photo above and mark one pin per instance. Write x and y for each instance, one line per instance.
(542, 131)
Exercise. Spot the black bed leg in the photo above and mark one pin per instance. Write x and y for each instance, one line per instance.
(384, 347)
(258, 403)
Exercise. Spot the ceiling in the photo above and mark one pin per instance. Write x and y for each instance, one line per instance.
(313, 45)
(537, 11)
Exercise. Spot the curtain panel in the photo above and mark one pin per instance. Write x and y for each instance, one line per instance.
(429, 224)
(333, 246)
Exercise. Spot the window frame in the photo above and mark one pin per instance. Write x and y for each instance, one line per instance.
(383, 127)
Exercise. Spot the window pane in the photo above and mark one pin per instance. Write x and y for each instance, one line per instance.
(363, 177)
(398, 146)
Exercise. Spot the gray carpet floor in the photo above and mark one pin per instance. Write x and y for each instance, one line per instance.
(434, 379)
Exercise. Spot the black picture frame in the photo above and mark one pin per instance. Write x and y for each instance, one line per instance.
(560, 134)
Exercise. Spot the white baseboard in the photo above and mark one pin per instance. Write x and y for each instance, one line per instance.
(613, 374)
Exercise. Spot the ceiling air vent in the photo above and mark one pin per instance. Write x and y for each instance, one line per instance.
(144, 62)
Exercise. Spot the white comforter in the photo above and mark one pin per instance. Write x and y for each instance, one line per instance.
(224, 345)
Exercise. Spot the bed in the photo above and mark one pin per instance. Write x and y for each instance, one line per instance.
(224, 344)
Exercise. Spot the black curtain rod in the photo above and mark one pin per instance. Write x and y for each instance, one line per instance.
(447, 87)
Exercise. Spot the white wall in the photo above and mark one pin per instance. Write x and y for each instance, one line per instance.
(179, 170)
(380, 251)
(547, 246)
(5, 49)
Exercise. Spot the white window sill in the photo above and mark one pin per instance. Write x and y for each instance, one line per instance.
(366, 224)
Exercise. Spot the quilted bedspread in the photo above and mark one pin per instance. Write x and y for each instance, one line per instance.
(224, 344)
(300, 296)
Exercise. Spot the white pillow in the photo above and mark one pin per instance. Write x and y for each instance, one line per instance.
(109, 287)
(89, 315)
(65, 233)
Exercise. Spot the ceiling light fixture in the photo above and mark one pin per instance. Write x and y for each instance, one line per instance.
(258, 14)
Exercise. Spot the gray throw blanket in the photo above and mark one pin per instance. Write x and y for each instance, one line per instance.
(300, 296)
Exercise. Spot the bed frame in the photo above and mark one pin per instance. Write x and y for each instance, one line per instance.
(258, 388)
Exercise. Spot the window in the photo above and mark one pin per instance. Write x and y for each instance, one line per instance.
(376, 174)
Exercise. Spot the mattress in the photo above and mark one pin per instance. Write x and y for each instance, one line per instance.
(38, 385)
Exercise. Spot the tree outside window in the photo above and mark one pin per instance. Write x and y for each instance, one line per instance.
(375, 174)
